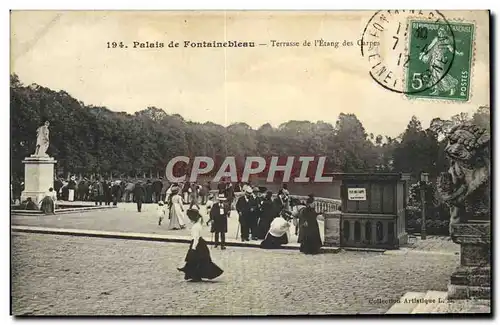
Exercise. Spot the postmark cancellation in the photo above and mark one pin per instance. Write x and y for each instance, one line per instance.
(420, 54)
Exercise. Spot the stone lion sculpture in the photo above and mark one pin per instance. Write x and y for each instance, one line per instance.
(465, 187)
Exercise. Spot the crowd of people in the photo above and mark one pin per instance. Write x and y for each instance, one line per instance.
(261, 215)
(115, 190)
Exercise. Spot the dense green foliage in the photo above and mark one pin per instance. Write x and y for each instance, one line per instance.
(87, 140)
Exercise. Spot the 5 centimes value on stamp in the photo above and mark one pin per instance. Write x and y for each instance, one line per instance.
(389, 59)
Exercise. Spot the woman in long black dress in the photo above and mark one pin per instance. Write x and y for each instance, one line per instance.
(310, 238)
(267, 215)
(199, 264)
(47, 205)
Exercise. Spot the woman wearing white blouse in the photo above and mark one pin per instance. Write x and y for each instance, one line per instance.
(199, 264)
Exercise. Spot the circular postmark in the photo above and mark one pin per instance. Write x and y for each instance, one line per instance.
(408, 51)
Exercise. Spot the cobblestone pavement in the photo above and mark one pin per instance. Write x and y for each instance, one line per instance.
(126, 218)
(63, 275)
(433, 243)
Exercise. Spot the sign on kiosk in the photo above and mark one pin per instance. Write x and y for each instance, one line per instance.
(356, 194)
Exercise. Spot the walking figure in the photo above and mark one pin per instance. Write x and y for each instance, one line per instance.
(160, 212)
(218, 217)
(199, 264)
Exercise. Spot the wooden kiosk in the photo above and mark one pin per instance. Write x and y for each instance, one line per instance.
(373, 211)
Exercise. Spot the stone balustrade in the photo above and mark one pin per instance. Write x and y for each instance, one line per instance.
(323, 205)
(368, 230)
(360, 230)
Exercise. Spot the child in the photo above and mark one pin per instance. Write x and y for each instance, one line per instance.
(160, 211)
(209, 204)
(218, 216)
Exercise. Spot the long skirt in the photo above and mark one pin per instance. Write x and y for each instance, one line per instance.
(311, 240)
(176, 216)
(199, 264)
(272, 242)
(47, 205)
(71, 195)
(263, 227)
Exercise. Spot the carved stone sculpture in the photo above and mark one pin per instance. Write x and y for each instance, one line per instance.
(42, 140)
(465, 187)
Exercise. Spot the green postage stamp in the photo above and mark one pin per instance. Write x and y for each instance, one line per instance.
(440, 60)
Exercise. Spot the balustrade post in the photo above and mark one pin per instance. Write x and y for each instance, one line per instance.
(374, 232)
(363, 230)
(385, 228)
(351, 231)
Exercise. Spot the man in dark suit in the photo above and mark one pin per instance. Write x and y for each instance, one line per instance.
(149, 192)
(98, 192)
(157, 187)
(218, 216)
(247, 211)
(139, 195)
(116, 192)
(106, 185)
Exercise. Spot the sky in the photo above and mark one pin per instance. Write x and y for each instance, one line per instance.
(68, 51)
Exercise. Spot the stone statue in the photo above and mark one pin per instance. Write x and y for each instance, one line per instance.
(42, 140)
(465, 187)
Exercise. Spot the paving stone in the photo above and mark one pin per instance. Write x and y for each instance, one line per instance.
(63, 275)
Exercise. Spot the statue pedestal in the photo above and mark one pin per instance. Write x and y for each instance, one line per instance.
(472, 279)
(38, 177)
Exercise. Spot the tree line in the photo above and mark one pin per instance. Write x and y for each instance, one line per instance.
(93, 140)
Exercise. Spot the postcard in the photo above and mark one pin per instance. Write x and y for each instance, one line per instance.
(250, 163)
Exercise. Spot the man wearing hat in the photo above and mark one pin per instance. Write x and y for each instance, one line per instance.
(218, 217)
(116, 192)
(71, 188)
(247, 209)
(139, 195)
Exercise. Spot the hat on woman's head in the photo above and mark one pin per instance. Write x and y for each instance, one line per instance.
(249, 190)
(160, 203)
(175, 189)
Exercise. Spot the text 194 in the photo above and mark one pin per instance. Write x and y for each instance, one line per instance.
(113, 45)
